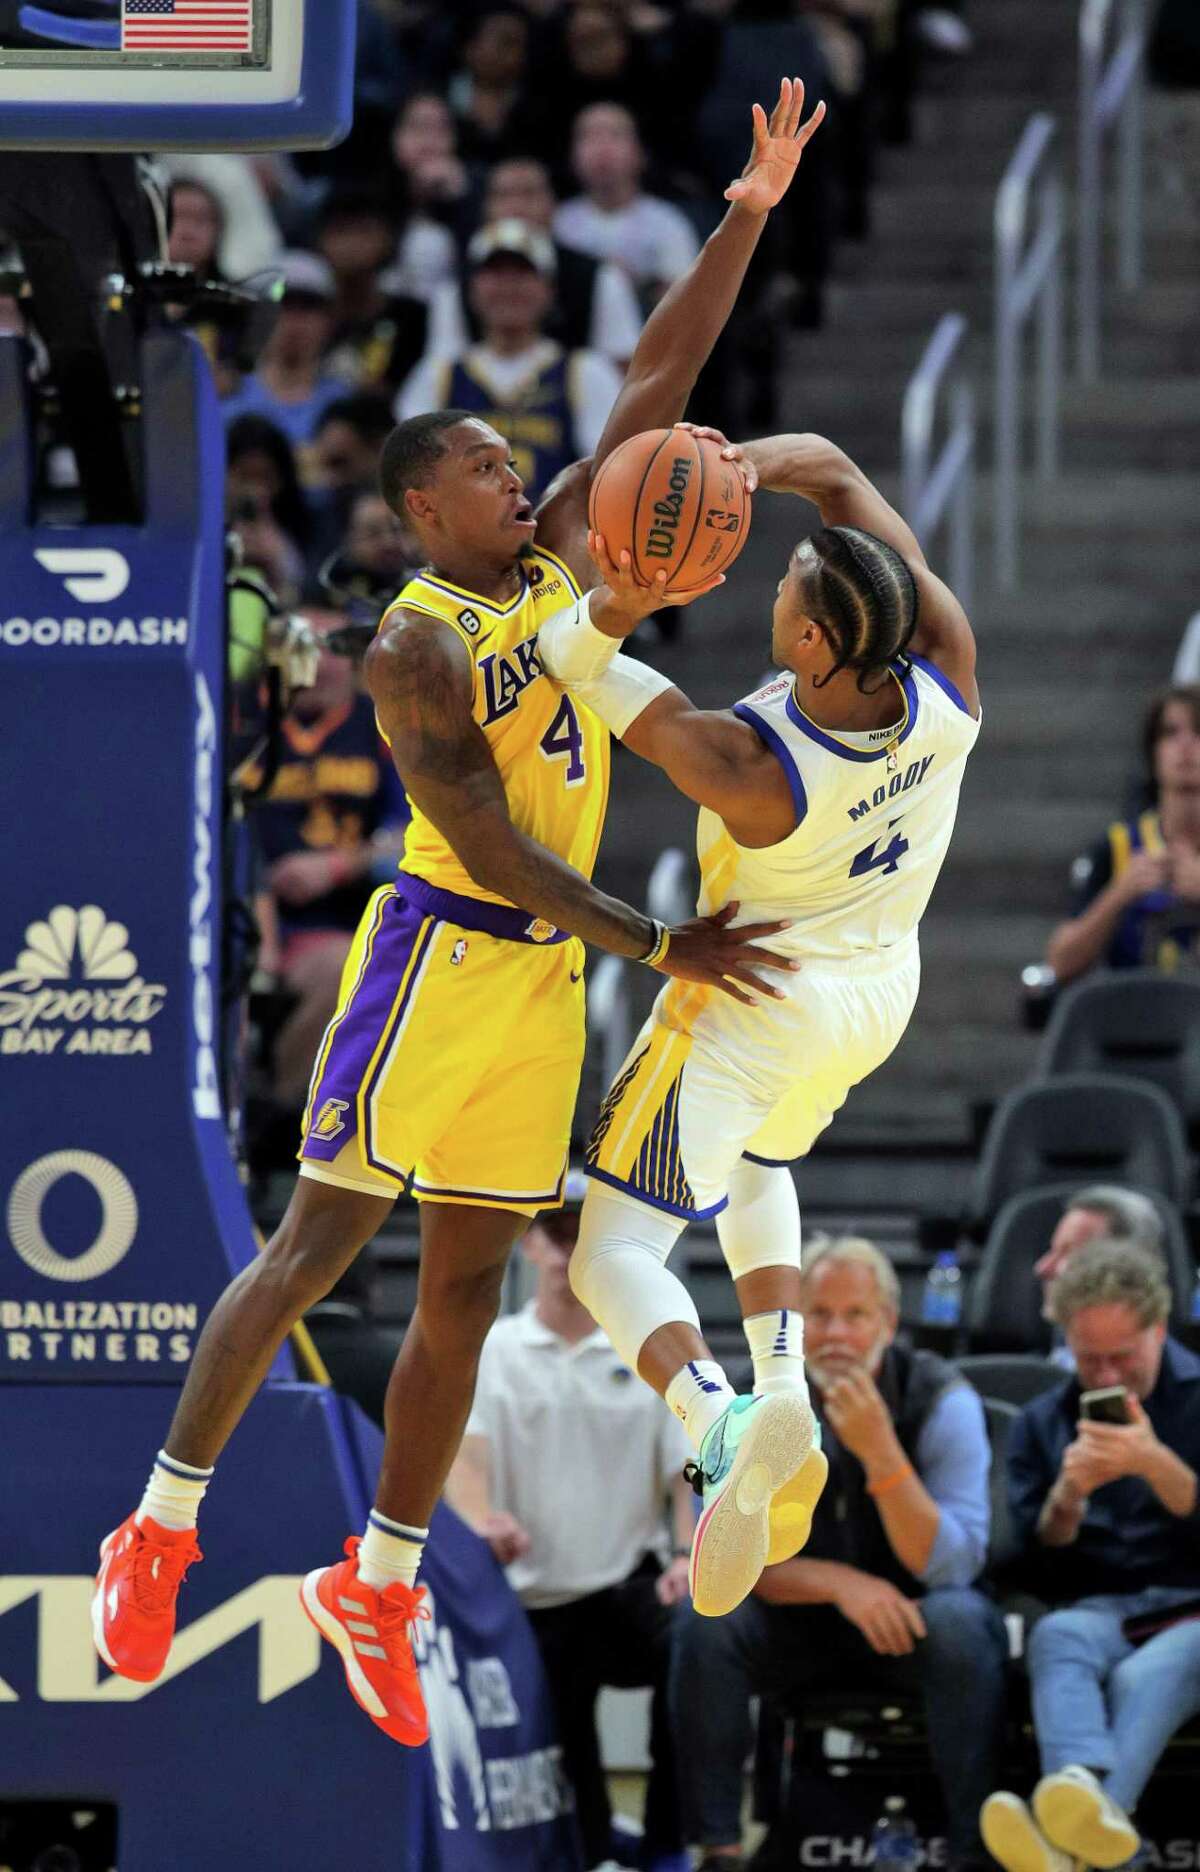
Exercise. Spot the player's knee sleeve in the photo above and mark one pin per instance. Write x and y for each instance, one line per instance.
(761, 1226)
(618, 1270)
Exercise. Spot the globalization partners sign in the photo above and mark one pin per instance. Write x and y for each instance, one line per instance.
(71, 1328)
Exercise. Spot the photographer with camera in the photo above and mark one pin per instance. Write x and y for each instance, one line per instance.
(1103, 1487)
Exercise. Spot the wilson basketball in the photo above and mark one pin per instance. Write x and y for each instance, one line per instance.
(669, 500)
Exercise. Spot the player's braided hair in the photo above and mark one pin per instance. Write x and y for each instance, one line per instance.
(412, 452)
(863, 594)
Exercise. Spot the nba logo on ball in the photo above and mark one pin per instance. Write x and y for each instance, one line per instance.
(672, 502)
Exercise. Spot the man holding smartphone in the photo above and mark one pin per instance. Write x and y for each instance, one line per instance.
(1103, 1487)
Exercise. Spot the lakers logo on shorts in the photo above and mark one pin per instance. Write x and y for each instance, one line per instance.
(540, 931)
(328, 1122)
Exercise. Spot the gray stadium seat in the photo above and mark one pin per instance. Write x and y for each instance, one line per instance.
(1003, 1311)
(1013, 1378)
(1139, 1023)
(1082, 1128)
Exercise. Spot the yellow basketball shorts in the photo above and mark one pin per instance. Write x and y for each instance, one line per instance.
(451, 1065)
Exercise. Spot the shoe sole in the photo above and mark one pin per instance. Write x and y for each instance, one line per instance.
(1072, 1818)
(733, 1534)
(1011, 1837)
(98, 1638)
(793, 1506)
(357, 1681)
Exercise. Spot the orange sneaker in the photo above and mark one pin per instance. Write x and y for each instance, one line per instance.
(142, 1567)
(370, 1629)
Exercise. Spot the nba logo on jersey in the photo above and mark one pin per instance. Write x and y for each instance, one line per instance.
(328, 1121)
(458, 954)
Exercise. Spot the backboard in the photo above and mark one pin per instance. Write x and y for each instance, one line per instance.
(175, 74)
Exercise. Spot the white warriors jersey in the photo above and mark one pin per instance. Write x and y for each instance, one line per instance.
(874, 813)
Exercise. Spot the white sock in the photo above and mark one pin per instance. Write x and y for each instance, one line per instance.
(174, 1492)
(698, 1394)
(776, 1341)
(390, 1552)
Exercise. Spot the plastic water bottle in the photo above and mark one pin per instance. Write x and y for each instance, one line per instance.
(894, 1839)
(941, 1302)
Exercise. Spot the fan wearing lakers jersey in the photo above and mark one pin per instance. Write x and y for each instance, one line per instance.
(452, 1062)
(827, 797)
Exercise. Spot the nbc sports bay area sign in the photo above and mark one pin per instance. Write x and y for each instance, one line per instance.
(76, 988)
(62, 1327)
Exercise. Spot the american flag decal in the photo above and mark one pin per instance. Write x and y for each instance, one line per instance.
(186, 25)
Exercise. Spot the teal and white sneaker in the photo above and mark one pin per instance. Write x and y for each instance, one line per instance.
(756, 1445)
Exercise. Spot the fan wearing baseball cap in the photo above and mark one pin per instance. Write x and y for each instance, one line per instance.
(290, 385)
(550, 403)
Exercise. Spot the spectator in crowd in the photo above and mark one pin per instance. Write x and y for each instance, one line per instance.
(436, 191)
(551, 404)
(197, 223)
(349, 441)
(882, 1595)
(595, 306)
(379, 333)
(1137, 893)
(584, 1536)
(291, 385)
(486, 94)
(330, 827)
(1109, 1514)
(377, 548)
(264, 502)
(593, 54)
(613, 219)
(250, 237)
(1100, 1209)
(1101, 1212)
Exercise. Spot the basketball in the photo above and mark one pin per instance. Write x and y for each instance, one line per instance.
(669, 499)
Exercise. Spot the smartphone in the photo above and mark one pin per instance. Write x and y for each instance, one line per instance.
(1106, 1406)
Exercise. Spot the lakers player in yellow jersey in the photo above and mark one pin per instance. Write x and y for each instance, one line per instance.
(452, 1061)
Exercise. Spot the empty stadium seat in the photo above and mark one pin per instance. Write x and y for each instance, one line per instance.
(1139, 1023)
(1085, 1128)
(1003, 1311)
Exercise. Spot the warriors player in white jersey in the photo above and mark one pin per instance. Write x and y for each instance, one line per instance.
(827, 797)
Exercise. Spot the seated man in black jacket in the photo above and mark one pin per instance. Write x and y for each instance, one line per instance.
(1111, 1519)
(882, 1594)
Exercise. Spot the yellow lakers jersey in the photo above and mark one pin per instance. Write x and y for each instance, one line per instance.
(551, 751)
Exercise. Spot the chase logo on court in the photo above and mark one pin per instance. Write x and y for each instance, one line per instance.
(76, 988)
(540, 931)
(328, 1121)
(471, 622)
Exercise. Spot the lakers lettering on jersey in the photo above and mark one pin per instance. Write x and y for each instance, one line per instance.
(551, 751)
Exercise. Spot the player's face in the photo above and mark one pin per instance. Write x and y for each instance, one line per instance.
(846, 1323)
(1177, 750)
(479, 502)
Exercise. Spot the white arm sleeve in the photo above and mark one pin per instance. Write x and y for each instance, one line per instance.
(571, 649)
(623, 692)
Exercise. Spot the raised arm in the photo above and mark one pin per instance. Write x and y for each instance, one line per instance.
(820, 472)
(419, 677)
(680, 333)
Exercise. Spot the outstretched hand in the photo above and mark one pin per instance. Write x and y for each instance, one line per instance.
(778, 147)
